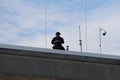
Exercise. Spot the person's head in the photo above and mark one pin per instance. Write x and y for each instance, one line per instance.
(58, 34)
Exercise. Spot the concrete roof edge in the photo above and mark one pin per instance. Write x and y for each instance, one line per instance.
(18, 47)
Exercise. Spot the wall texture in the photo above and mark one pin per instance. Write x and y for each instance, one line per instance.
(44, 65)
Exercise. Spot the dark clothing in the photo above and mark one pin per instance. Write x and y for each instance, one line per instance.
(57, 43)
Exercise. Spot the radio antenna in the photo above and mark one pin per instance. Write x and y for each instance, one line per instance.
(46, 23)
(80, 40)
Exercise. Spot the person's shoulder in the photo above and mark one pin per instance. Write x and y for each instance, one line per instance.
(54, 37)
(61, 37)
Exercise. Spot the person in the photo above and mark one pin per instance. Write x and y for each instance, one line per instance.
(57, 42)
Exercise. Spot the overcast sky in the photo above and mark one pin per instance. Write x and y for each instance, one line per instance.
(23, 22)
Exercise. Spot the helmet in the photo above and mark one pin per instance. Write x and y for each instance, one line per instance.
(57, 33)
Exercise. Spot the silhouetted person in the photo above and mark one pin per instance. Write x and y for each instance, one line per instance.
(57, 42)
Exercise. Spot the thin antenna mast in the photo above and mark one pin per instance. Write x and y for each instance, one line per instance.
(46, 23)
(85, 7)
(100, 39)
(80, 40)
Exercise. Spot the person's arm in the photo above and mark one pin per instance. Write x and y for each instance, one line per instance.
(52, 42)
(62, 40)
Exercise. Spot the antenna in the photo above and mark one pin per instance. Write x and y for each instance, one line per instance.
(46, 23)
(85, 15)
(80, 39)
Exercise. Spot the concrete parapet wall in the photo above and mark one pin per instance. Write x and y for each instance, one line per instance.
(50, 64)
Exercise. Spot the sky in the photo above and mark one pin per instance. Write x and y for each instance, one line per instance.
(34, 23)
